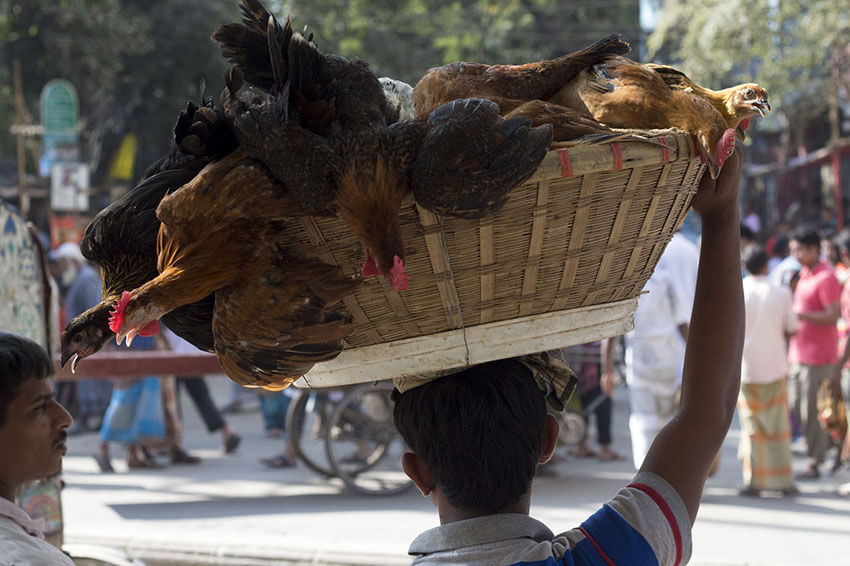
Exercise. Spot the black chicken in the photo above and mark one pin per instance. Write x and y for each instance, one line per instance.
(321, 123)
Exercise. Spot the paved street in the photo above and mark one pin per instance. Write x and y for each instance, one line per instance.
(233, 510)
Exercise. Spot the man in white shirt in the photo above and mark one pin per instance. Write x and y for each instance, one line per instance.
(655, 349)
(765, 449)
(33, 428)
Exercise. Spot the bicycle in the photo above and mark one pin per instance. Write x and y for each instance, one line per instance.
(349, 433)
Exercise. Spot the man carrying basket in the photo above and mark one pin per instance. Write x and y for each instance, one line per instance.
(476, 436)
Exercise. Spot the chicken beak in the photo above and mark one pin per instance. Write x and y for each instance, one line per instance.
(760, 107)
(74, 361)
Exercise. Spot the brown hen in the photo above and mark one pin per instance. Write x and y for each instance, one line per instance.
(121, 239)
(508, 85)
(737, 104)
(622, 93)
(221, 233)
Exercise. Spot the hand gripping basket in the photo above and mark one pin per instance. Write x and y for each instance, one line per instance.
(562, 263)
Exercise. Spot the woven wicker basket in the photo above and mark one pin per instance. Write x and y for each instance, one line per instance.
(562, 263)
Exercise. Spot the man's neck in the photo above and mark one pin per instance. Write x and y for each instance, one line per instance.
(449, 513)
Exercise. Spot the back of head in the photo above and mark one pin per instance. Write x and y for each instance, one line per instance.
(806, 234)
(780, 248)
(479, 432)
(842, 241)
(754, 259)
(20, 360)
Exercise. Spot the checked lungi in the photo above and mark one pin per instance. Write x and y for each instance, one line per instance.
(765, 447)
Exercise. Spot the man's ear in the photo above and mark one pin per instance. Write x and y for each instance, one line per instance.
(415, 469)
(550, 441)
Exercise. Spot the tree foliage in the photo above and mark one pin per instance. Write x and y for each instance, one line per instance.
(135, 63)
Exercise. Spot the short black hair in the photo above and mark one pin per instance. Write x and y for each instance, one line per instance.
(20, 359)
(806, 234)
(754, 259)
(842, 240)
(780, 248)
(480, 433)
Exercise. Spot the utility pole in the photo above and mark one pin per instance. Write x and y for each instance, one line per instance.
(22, 118)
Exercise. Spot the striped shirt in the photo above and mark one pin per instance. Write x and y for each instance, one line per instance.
(644, 523)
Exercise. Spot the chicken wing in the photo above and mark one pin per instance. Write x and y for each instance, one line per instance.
(471, 158)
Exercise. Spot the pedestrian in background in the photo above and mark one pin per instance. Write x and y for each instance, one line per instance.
(655, 347)
(813, 352)
(595, 389)
(765, 446)
(82, 291)
(200, 395)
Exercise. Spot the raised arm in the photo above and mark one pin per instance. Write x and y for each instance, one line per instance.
(683, 451)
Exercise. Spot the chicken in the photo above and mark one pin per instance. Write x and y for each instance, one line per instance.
(222, 233)
(622, 93)
(737, 104)
(121, 239)
(470, 157)
(508, 85)
(321, 127)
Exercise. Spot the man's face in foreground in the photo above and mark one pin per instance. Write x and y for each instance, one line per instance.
(32, 438)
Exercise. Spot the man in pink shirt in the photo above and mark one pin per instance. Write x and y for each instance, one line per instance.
(813, 352)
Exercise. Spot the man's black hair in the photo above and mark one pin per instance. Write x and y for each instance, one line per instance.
(754, 259)
(842, 240)
(806, 234)
(479, 432)
(780, 248)
(20, 359)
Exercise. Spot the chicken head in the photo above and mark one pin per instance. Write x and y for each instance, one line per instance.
(141, 320)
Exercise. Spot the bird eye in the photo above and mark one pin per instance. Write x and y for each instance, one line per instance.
(76, 338)
(749, 92)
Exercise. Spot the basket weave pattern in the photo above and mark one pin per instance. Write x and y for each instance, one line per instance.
(586, 229)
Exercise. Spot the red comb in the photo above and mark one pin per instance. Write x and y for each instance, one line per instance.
(369, 268)
(397, 276)
(116, 315)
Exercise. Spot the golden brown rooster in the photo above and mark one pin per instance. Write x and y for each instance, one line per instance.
(221, 233)
(737, 104)
(121, 239)
(622, 93)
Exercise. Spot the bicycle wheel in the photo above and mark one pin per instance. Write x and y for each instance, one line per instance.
(364, 447)
(307, 429)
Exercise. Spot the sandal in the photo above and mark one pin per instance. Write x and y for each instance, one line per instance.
(103, 463)
(146, 463)
(231, 443)
(180, 456)
(278, 462)
(585, 453)
(610, 456)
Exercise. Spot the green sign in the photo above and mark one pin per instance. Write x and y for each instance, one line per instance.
(60, 107)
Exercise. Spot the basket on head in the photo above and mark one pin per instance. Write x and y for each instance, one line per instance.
(562, 263)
